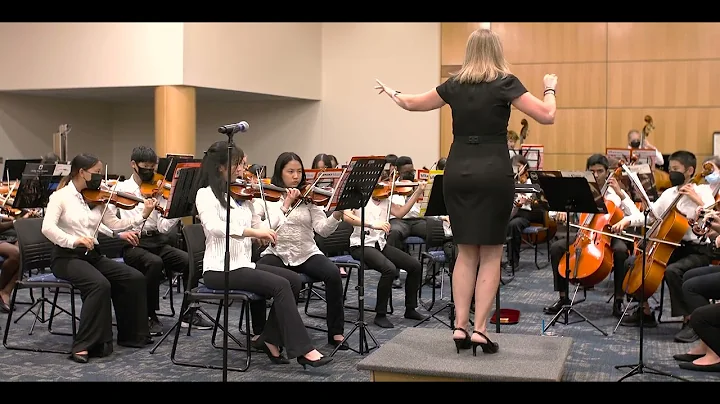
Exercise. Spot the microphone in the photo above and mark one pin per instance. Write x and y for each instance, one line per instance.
(234, 128)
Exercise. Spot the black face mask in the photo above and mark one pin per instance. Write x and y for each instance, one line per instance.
(94, 182)
(677, 178)
(635, 144)
(407, 176)
(145, 174)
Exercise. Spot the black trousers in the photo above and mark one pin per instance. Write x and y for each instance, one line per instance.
(284, 326)
(706, 323)
(699, 286)
(400, 229)
(153, 257)
(388, 262)
(317, 267)
(620, 255)
(683, 259)
(516, 225)
(102, 281)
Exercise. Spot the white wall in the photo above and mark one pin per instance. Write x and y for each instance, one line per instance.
(351, 119)
(355, 120)
(267, 58)
(89, 55)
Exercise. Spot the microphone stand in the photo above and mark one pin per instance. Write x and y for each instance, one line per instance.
(226, 296)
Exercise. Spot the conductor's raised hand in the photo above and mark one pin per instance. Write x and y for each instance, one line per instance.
(550, 81)
(383, 88)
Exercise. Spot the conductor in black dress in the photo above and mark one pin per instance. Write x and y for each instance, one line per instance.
(478, 185)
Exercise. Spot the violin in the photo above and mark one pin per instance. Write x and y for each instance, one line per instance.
(315, 195)
(663, 237)
(385, 189)
(591, 255)
(121, 200)
(244, 191)
(150, 189)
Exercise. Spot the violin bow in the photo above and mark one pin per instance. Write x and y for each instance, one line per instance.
(10, 191)
(392, 189)
(112, 192)
(258, 172)
(307, 192)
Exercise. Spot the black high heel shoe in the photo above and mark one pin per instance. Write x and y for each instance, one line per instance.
(316, 364)
(261, 346)
(464, 343)
(488, 347)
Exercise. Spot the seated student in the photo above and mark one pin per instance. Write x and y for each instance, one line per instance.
(524, 213)
(691, 254)
(386, 258)
(322, 160)
(704, 357)
(285, 328)
(598, 164)
(411, 224)
(10, 268)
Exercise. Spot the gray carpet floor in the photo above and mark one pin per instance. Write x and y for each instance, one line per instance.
(593, 357)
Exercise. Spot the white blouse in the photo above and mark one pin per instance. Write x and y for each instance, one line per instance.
(213, 218)
(375, 211)
(68, 218)
(296, 232)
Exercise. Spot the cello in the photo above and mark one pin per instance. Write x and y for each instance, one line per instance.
(662, 178)
(591, 256)
(663, 237)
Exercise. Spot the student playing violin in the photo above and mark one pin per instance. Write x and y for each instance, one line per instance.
(148, 249)
(523, 213)
(599, 165)
(71, 224)
(385, 258)
(284, 325)
(295, 248)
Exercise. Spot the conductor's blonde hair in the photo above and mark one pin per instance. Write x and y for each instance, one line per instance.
(484, 58)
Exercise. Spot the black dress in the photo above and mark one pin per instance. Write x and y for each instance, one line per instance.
(478, 182)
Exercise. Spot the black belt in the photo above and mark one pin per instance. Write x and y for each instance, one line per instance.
(481, 139)
(151, 233)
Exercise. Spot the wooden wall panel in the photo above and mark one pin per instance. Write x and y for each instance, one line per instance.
(454, 36)
(610, 77)
(583, 85)
(553, 42)
(643, 41)
(664, 84)
(675, 129)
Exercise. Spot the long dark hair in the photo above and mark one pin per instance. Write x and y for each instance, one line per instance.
(82, 161)
(280, 164)
(321, 157)
(216, 156)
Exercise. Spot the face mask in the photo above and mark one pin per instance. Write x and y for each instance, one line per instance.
(407, 176)
(145, 174)
(94, 182)
(677, 178)
(713, 178)
(635, 144)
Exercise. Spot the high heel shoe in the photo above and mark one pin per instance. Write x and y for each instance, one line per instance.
(488, 347)
(316, 364)
(261, 346)
(79, 358)
(464, 343)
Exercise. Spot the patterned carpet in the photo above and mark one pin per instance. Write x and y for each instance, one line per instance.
(593, 356)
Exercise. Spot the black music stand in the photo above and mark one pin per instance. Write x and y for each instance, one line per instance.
(37, 183)
(569, 195)
(354, 193)
(640, 367)
(182, 204)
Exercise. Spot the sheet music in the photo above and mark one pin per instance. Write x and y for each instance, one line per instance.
(618, 153)
(645, 156)
(340, 186)
(534, 154)
(638, 184)
(428, 189)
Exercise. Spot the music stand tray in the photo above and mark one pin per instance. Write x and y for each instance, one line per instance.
(355, 190)
(570, 195)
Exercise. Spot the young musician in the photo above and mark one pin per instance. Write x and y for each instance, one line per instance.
(523, 213)
(333, 161)
(411, 224)
(71, 224)
(296, 223)
(691, 254)
(634, 142)
(322, 160)
(384, 257)
(598, 164)
(148, 249)
(284, 325)
(10, 266)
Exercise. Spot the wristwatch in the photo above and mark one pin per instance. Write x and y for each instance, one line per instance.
(396, 92)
